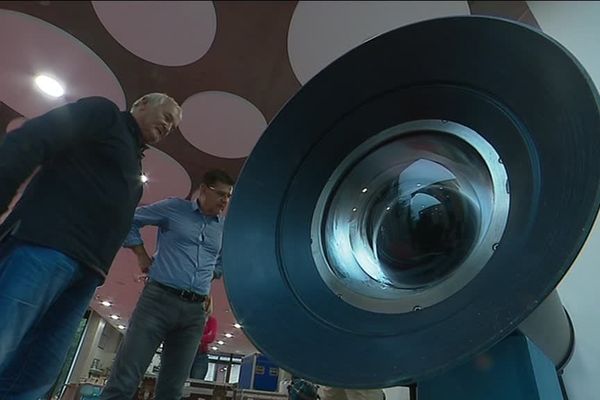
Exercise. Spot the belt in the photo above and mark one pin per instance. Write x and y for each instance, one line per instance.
(182, 294)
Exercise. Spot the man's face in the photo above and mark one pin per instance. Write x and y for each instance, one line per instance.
(214, 198)
(156, 121)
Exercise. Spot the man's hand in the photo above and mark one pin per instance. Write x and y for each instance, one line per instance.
(144, 260)
(144, 263)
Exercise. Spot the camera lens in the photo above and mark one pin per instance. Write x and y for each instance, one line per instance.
(421, 225)
(410, 216)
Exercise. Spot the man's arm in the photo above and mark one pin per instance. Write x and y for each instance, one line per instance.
(155, 214)
(144, 259)
(218, 272)
(42, 138)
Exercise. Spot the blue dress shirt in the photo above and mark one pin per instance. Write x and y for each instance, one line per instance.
(188, 248)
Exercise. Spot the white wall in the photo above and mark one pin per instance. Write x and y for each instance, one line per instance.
(576, 25)
(397, 393)
(107, 346)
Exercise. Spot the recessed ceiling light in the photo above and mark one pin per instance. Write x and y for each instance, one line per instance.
(215, 348)
(220, 342)
(49, 85)
(115, 316)
(121, 326)
(106, 303)
(237, 325)
(144, 178)
(228, 335)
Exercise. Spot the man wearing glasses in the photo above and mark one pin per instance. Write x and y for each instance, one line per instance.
(171, 307)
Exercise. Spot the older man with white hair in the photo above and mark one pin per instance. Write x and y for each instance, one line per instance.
(59, 241)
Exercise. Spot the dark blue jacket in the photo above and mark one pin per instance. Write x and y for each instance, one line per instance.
(82, 200)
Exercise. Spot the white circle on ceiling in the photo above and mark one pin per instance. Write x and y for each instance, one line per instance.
(42, 48)
(171, 33)
(322, 31)
(166, 177)
(221, 123)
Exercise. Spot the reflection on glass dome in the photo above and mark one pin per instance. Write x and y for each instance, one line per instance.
(410, 217)
(422, 225)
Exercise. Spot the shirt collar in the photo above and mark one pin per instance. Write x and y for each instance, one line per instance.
(136, 132)
(196, 207)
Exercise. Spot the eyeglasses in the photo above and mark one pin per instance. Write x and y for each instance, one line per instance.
(220, 193)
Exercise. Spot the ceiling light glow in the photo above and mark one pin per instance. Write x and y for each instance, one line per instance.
(49, 85)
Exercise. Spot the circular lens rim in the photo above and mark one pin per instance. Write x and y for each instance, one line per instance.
(371, 295)
(267, 255)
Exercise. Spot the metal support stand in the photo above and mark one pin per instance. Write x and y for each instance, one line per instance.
(514, 369)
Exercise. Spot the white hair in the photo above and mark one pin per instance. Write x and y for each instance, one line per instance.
(156, 99)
